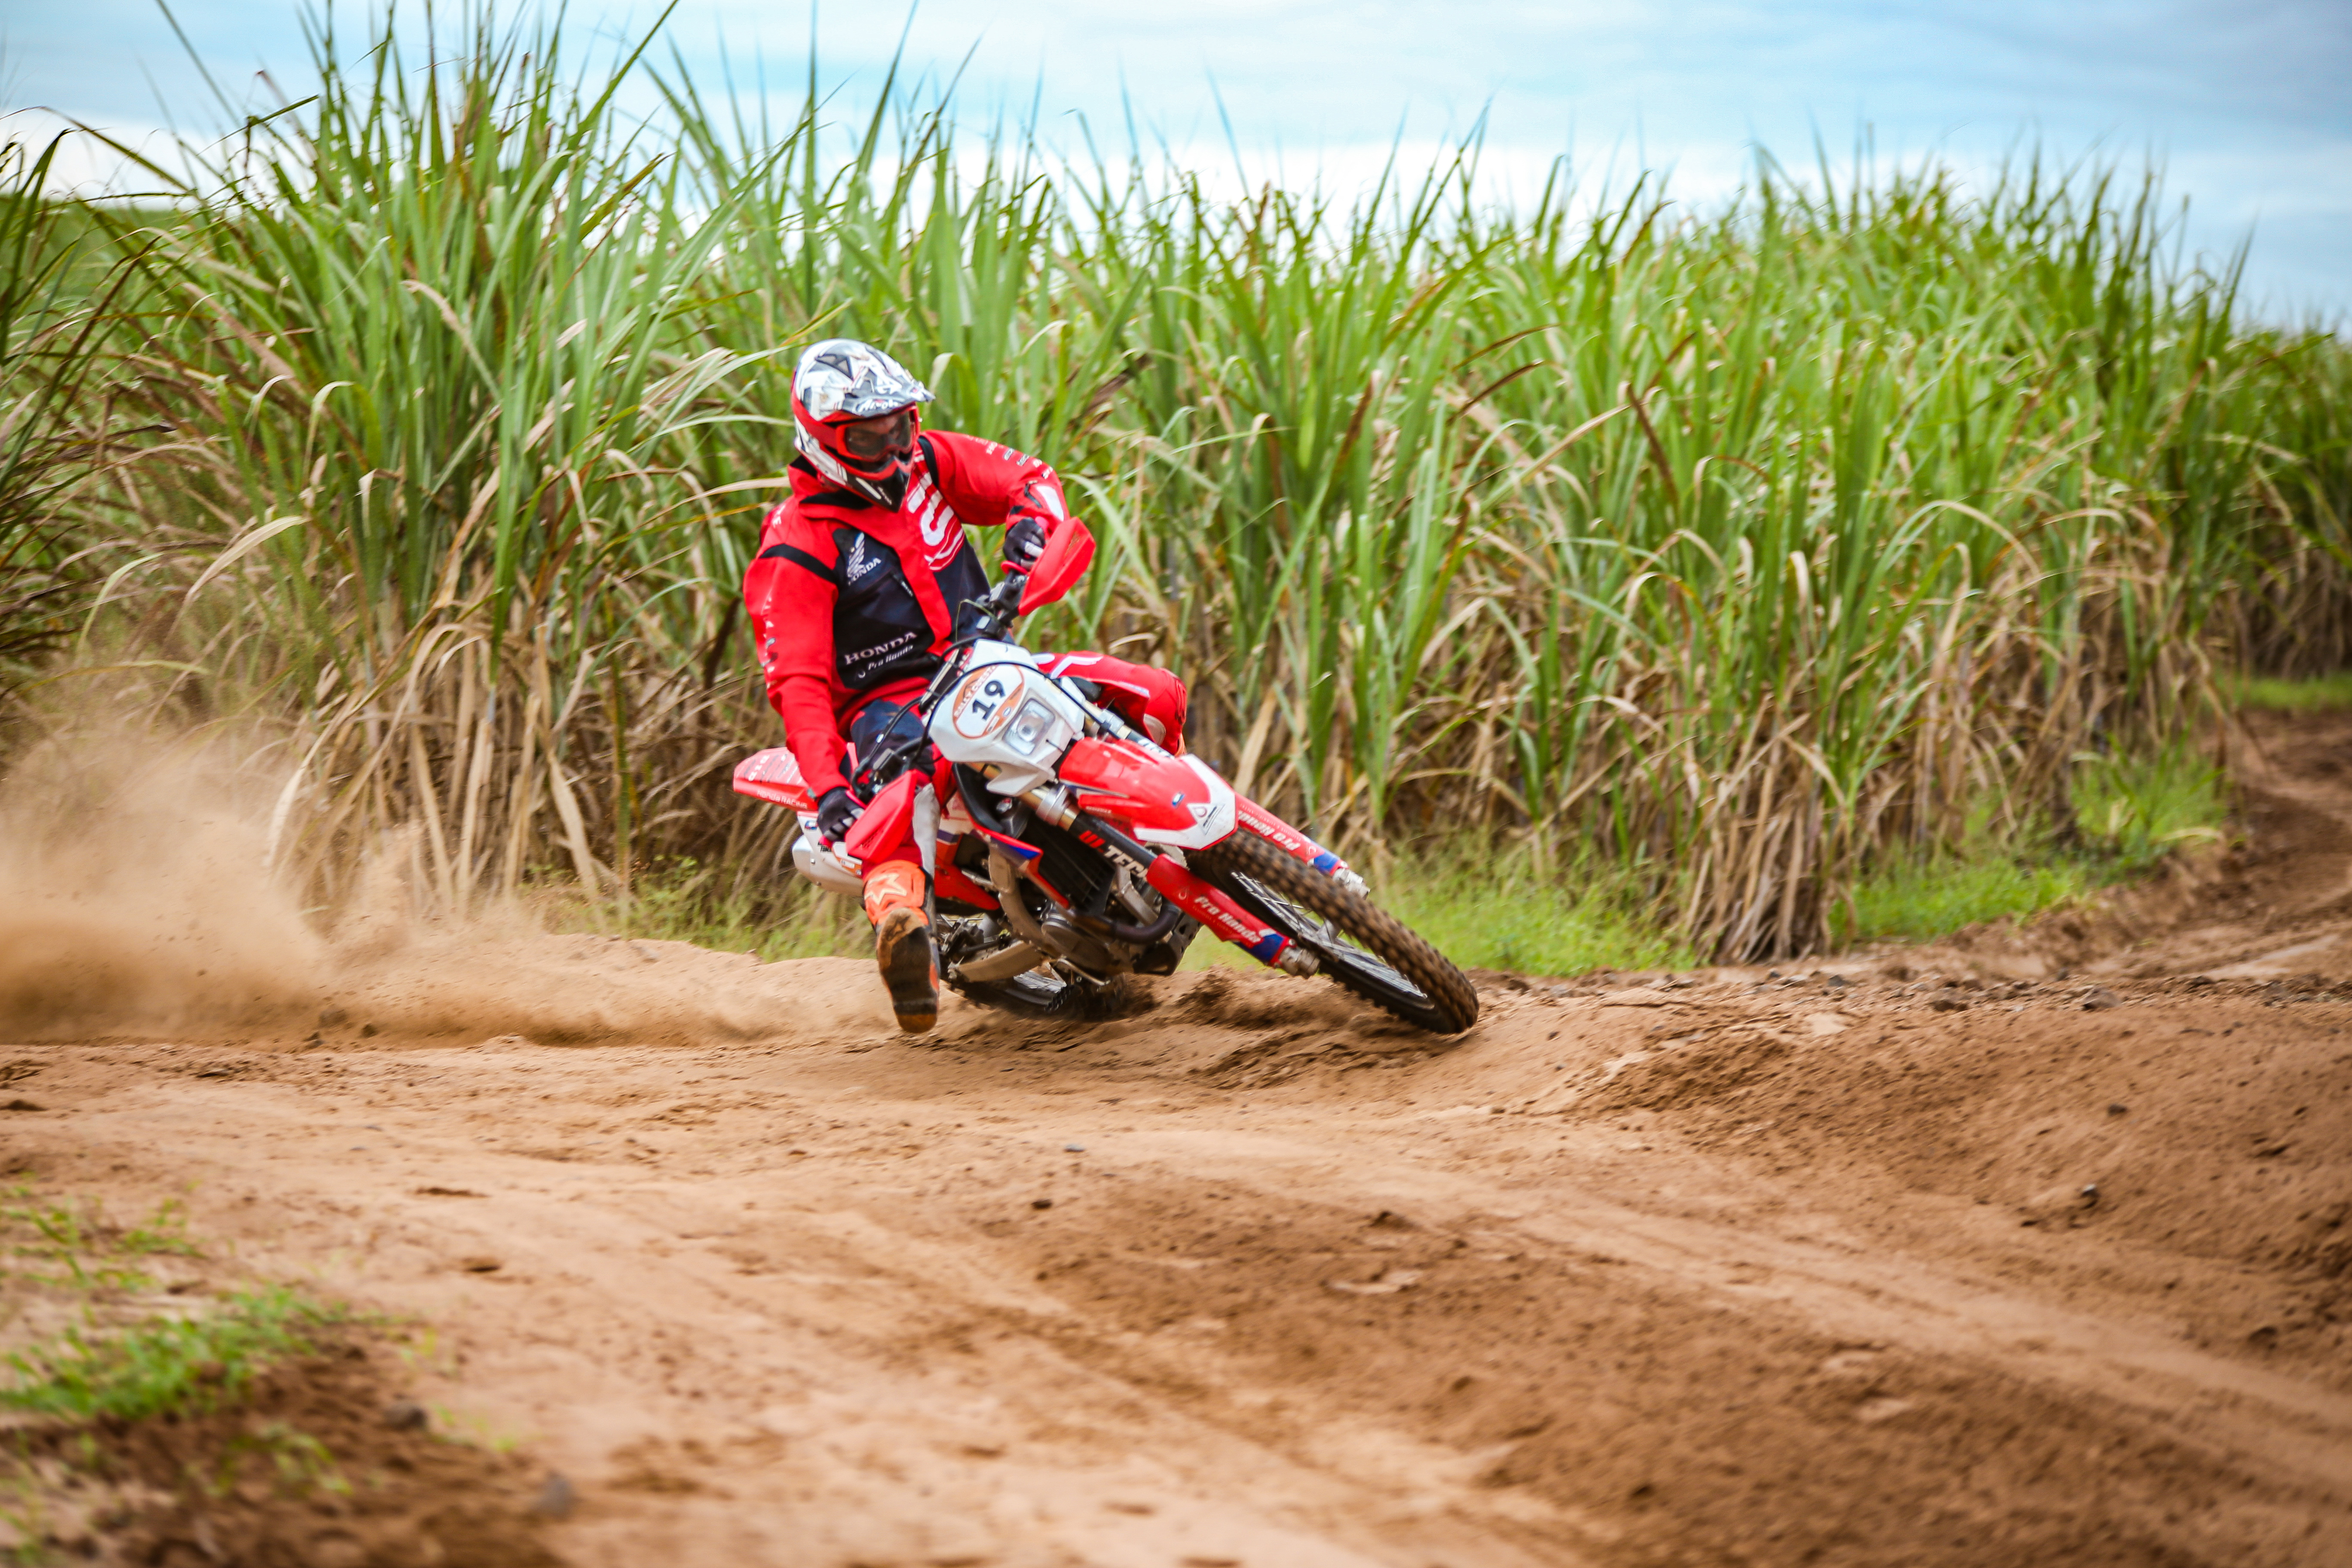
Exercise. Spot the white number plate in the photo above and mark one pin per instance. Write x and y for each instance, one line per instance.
(987, 699)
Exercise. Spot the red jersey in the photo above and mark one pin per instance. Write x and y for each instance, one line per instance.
(852, 601)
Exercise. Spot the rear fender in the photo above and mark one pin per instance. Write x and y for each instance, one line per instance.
(774, 775)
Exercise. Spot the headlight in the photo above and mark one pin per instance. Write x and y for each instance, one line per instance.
(1031, 726)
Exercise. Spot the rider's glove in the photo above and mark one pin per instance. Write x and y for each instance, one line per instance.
(836, 813)
(1023, 541)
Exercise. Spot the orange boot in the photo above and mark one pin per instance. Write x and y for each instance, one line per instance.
(902, 943)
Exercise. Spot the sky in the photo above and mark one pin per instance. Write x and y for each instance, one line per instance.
(2243, 103)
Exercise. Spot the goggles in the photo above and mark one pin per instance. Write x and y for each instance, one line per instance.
(880, 437)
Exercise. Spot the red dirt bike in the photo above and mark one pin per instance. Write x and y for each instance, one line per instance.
(1070, 849)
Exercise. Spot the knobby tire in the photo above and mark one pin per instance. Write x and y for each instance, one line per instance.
(1435, 995)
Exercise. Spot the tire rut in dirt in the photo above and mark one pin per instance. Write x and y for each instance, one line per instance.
(1689, 1427)
(1410, 979)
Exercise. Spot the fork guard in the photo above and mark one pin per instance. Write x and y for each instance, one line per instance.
(1227, 919)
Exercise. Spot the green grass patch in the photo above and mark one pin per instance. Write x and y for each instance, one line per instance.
(92, 1252)
(2131, 812)
(2135, 811)
(1487, 907)
(1931, 896)
(196, 1363)
(2319, 692)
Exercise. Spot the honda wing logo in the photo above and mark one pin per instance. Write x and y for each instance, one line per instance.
(862, 562)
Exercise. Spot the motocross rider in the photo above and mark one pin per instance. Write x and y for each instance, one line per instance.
(853, 597)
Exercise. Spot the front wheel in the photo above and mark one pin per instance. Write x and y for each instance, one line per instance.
(1360, 945)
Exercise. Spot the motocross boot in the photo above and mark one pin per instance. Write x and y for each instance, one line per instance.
(902, 942)
(902, 950)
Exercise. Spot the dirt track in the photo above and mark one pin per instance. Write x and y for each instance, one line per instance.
(1720, 1269)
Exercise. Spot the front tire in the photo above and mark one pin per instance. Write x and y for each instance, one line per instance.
(1360, 945)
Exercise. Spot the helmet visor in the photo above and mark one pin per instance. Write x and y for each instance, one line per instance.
(888, 436)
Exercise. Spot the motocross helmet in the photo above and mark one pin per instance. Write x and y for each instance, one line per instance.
(840, 389)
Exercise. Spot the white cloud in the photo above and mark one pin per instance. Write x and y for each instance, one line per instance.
(84, 164)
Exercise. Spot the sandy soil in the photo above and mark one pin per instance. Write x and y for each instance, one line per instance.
(2018, 1249)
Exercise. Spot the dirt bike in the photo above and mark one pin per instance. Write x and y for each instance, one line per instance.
(1070, 849)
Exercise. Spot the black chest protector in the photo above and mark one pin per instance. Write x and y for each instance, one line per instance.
(879, 631)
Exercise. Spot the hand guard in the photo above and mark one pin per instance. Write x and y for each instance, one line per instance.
(1024, 541)
(837, 812)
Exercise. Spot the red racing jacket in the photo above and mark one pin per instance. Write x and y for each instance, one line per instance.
(853, 602)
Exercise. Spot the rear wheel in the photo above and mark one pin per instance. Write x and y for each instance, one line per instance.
(1360, 945)
(1047, 990)
(1036, 994)
(1042, 993)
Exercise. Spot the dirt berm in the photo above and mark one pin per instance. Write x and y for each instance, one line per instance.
(2021, 1249)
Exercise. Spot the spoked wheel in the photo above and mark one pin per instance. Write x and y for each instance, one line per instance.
(1362, 946)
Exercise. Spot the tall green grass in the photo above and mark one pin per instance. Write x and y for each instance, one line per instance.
(1738, 550)
(49, 310)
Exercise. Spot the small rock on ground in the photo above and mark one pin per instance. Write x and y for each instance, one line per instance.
(556, 1498)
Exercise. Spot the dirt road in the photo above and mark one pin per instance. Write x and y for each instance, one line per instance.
(1940, 1256)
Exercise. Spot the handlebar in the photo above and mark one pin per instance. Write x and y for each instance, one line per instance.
(987, 618)
(993, 615)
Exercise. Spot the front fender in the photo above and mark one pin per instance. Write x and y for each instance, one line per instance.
(1210, 805)
(1127, 784)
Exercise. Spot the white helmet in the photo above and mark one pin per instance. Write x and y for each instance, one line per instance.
(841, 384)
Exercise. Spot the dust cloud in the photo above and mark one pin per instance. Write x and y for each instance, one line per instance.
(135, 894)
(137, 899)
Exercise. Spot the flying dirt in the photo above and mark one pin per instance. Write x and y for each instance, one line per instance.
(2027, 1248)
